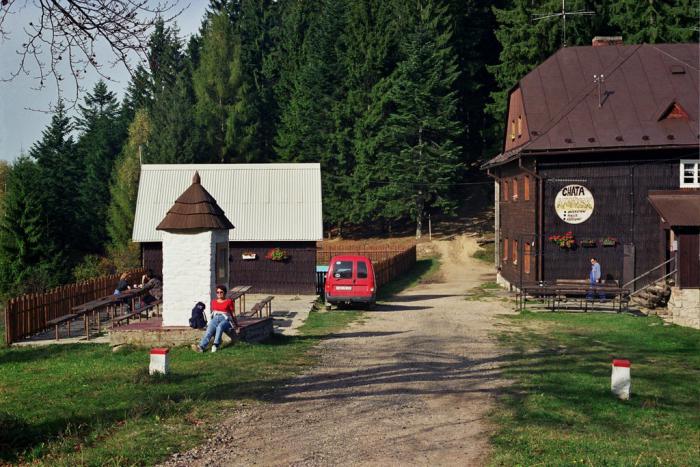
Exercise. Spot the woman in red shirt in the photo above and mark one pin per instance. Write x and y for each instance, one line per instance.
(223, 319)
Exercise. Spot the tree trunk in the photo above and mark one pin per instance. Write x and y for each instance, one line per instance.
(419, 214)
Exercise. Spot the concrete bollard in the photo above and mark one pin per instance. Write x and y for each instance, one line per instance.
(620, 380)
(159, 361)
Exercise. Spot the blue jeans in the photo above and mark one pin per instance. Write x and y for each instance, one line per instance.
(217, 326)
(590, 295)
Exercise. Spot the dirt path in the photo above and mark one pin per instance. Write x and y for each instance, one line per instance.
(409, 386)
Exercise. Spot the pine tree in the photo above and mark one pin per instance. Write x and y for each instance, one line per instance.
(29, 260)
(164, 56)
(100, 142)
(123, 191)
(410, 162)
(653, 21)
(216, 83)
(60, 171)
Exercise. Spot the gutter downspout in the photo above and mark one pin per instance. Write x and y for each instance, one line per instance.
(497, 219)
(539, 206)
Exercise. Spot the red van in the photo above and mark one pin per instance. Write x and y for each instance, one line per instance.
(350, 279)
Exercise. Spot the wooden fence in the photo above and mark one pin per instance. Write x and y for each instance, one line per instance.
(389, 263)
(28, 314)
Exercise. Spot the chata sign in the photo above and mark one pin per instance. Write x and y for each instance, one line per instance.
(574, 204)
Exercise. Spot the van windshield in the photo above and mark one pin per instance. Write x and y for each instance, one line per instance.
(361, 270)
(342, 270)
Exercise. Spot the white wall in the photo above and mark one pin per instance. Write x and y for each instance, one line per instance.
(189, 273)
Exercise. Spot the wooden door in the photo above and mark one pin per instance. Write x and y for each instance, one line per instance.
(689, 257)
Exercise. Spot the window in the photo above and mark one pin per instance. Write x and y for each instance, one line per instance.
(512, 130)
(690, 173)
(505, 250)
(342, 270)
(505, 190)
(520, 126)
(515, 252)
(526, 188)
(361, 270)
(222, 263)
(526, 258)
(515, 189)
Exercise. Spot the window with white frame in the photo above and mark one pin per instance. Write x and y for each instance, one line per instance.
(690, 173)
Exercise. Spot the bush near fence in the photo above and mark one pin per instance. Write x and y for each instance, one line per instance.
(28, 314)
(390, 259)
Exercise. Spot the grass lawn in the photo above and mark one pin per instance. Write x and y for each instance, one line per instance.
(485, 253)
(560, 410)
(423, 270)
(82, 404)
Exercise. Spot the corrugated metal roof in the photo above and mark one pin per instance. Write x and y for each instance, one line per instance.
(561, 104)
(264, 201)
(195, 209)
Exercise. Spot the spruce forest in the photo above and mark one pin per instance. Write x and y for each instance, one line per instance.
(399, 101)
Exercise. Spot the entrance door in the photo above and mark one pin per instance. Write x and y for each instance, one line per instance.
(689, 257)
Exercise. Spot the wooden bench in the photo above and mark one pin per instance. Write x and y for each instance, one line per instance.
(136, 314)
(62, 319)
(264, 305)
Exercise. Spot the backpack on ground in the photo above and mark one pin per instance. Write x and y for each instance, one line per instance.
(198, 321)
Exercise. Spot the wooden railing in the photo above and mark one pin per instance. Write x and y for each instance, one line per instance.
(28, 314)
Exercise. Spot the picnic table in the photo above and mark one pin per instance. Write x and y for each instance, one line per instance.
(110, 303)
(580, 292)
(238, 293)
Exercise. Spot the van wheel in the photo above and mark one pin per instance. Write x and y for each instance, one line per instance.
(371, 305)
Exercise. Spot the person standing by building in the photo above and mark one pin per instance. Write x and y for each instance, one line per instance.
(223, 319)
(594, 279)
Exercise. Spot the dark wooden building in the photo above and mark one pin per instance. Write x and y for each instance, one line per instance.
(273, 206)
(591, 134)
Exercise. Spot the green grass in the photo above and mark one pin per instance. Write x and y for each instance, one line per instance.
(423, 270)
(485, 291)
(83, 404)
(485, 253)
(560, 410)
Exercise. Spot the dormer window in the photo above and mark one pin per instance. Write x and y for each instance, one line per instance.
(690, 173)
(512, 130)
(520, 126)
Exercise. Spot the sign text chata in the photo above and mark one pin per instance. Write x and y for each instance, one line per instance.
(574, 204)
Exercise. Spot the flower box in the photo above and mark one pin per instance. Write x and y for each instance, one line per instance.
(565, 241)
(609, 241)
(588, 243)
(277, 254)
(249, 256)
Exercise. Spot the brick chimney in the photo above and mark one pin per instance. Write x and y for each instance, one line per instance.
(600, 41)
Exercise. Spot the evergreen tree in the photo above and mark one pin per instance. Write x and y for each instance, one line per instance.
(178, 139)
(59, 170)
(164, 56)
(99, 144)
(410, 162)
(653, 21)
(29, 260)
(124, 190)
(216, 83)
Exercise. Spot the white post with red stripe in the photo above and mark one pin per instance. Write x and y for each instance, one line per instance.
(159, 361)
(621, 380)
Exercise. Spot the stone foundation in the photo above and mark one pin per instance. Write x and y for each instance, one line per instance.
(684, 307)
(152, 334)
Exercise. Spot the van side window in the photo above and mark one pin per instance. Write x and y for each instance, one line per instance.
(342, 270)
(361, 270)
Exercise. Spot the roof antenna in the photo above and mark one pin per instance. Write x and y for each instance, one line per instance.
(563, 15)
(599, 80)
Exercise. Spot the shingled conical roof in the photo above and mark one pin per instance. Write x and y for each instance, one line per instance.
(195, 209)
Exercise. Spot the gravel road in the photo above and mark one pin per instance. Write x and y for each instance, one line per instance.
(410, 385)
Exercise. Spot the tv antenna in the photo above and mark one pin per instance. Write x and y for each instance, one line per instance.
(563, 14)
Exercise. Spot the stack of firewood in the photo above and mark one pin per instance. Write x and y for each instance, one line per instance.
(654, 297)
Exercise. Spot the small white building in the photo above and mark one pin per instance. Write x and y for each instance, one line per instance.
(195, 252)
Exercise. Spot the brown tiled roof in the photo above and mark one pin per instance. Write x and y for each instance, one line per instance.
(642, 83)
(679, 208)
(195, 209)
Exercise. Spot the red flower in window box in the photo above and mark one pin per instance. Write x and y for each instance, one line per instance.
(565, 241)
(276, 254)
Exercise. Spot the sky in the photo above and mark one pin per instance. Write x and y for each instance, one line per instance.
(20, 127)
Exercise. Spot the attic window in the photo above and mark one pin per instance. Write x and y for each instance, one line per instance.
(690, 173)
(520, 126)
(674, 111)
(677, 70)
(512, 130)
